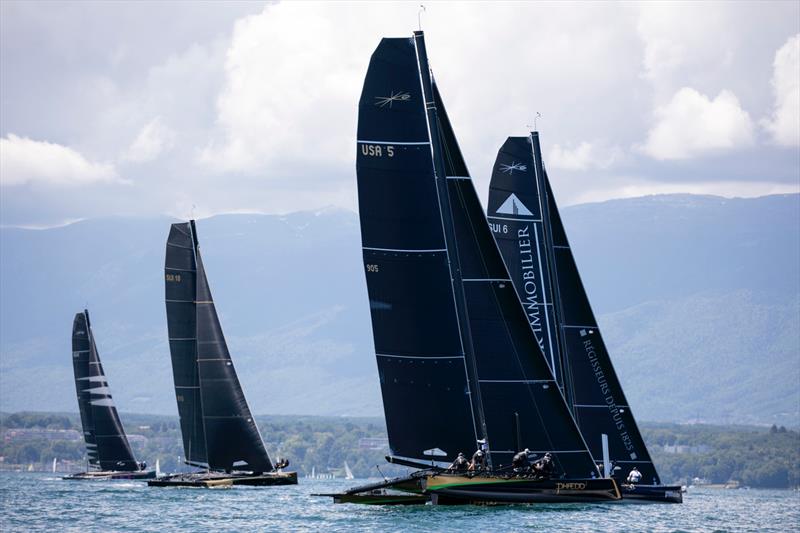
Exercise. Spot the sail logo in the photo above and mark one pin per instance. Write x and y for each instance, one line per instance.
(509, 169)
(401, 96)
(513, 206)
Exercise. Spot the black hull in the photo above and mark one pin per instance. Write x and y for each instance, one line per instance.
(380, 498)
(111, 475)
(652, 493)
(489, 490)
(217, 479)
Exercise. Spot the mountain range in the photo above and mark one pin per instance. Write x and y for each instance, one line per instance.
(698, 298)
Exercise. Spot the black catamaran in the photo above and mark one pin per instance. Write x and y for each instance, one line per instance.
(457, 361)
(107, 447)
(219, 432)
(524, 218)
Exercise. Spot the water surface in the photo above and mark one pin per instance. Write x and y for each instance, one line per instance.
(44, 502)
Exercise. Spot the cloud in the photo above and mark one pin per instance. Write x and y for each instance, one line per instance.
(784, 125)
(691, 124)
(153, 139)
(584, 156)
(25, 161)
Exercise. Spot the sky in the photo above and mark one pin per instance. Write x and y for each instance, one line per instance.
(194, 109)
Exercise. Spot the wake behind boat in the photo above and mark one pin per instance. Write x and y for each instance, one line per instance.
(218, 430)
(524, 218)
(108, 450)
(458, 363)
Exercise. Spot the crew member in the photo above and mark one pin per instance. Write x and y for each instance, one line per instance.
(634, 476)
(478, 461)
(544, 467)
(520, 462)
(460, 464)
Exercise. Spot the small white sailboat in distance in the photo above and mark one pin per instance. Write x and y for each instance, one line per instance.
(55, 462)
(348, 474)
(158, 468)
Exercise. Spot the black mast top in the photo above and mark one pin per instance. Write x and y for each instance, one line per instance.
(106, 443)
(217, 427)
(594, 391)
(456, 356)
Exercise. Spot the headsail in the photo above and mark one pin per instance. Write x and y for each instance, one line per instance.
(217, 427)
(463, 365)
(598, 402)
(106, 443)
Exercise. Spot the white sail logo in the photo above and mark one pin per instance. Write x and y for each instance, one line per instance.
(513, 206)
(383, 101)
(509, 169)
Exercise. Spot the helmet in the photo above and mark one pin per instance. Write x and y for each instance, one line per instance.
(548, 455)
(526, 450)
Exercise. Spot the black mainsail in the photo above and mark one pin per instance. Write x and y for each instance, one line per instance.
(456, 357)
(218, 429)
(106, 443)
(527, 226)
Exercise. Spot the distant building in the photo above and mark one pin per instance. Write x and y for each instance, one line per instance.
(683, 448)
(373, 443)
(25, 434)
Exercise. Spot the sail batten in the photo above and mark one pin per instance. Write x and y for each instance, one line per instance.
(107, 445)
(217, 427)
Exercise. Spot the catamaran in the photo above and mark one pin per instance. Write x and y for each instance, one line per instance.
(524, 218)
(108, 450)
(219, 433)
(459, 365)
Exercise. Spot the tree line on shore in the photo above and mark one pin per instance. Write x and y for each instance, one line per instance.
(759, 457)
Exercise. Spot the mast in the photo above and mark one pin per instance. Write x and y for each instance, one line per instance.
(440, 175)
(558, 309)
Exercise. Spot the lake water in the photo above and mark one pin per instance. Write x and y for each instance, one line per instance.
(44, 502)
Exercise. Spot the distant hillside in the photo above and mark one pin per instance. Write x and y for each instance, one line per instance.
(699, 298)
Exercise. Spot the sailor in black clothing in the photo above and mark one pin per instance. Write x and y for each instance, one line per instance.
(520, 462)
(478, 461)
(544, 467)
(460, 464)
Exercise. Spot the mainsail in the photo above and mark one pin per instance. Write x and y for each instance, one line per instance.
(218, 429)
(106, 444)
(576, 348)
(456, 357)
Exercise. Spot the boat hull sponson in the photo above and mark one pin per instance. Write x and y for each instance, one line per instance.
(106, 475)
(453, 490)
(218, 479)
(652, 493)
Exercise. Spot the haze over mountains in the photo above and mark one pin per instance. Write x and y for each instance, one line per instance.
(698, 298)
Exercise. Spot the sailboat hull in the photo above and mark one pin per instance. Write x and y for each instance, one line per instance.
(105, 475)
(458, 490)
(652, 493)
(221, 479)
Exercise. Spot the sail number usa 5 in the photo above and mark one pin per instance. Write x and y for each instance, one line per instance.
(376, 150)
(173, 277)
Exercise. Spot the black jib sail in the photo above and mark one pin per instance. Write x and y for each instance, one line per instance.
(218, 429)
(533, 242)
(107, 446)
(456, 357)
